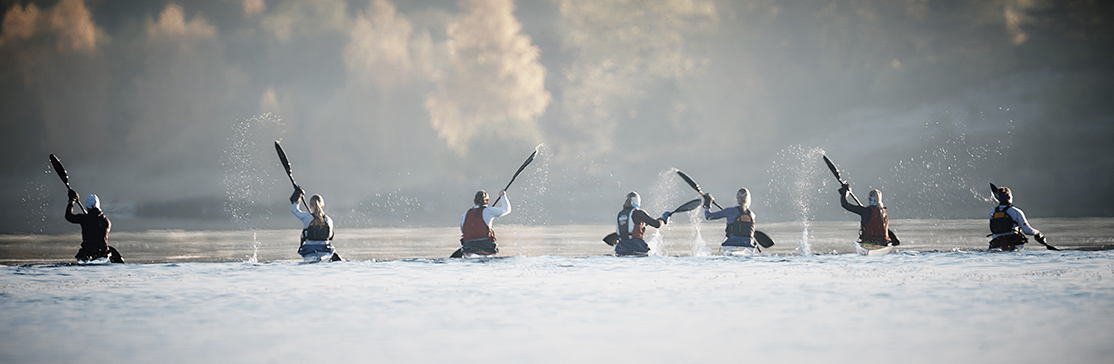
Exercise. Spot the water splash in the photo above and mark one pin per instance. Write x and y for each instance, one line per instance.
(699, 247)
(798, 181)
(36, 204)
(533, 185)
(948, 177)
(245, 177)
(664, 193)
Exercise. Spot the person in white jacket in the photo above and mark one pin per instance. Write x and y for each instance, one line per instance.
(477, 237)
(317, 228)
(1008, 225)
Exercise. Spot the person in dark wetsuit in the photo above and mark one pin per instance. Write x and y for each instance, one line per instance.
(740, 221)
(94, 230)
(317, 229)
(874, 225)
(476, 235)
(1008, 225)
(631, 226)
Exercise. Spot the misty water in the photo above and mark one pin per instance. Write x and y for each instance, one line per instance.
(554, 295)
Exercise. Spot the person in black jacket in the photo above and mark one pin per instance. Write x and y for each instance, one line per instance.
(631, 227)
(94, 230)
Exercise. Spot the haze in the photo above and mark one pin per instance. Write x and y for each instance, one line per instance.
(398, 111)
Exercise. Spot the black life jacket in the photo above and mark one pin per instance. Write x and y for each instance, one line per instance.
(743, 226)
(626, 228)
(1001, 222)
(317, 231)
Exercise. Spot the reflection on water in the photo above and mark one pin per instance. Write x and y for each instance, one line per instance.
(681, 238)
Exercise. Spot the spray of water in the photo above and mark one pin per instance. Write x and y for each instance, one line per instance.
(245, 177)
(797, 181)
(36, 203)
(949, 177)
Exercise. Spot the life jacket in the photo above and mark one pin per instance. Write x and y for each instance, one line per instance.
(474, 226)
(627, 228)
(94, 231)
(877, 228)
(317, 231)
(743, 226)
(1001, 222)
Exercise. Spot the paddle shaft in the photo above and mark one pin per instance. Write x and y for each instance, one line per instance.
(516, 173)
(65, 179)
(289, 173)
(696, 187)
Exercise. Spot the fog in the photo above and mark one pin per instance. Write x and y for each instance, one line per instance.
(397, 112)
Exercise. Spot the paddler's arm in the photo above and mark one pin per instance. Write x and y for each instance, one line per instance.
(1019, 217)
(69, 209)
(641, 216)
(501, 211)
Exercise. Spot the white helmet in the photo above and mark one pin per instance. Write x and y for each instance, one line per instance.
(93, 202)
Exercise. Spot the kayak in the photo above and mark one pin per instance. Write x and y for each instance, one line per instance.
(315, 257)
(729, 250)
(889, 248)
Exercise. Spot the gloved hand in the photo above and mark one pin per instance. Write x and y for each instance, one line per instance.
(844, 189)
(665, 216)
(73, 195)
(298, 192)
(1040, 238)
(708, 201)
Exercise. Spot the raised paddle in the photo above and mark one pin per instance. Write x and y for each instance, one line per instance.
(459, 253)
(65, 177)
(994, 190)
(520, 168)
(613, 238)
(835, 171)
(763, 239)
(286, 164)
(695, 186)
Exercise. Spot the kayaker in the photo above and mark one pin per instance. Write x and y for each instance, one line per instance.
(94, 230)
(631, 226)
(874, 225)
(1008, 225)
(740, 221)
(477, 237)
(317, 228)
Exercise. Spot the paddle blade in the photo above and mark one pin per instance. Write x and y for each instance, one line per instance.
(60, 169)
(893, 238)
(689, 206)
(611, 239)
(763, 239)
(459, 253)
(832, 167)
(690, 182)
(282, 157)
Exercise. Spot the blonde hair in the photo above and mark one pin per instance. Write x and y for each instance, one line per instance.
(743, 196)
(876, 195)
(317, 208)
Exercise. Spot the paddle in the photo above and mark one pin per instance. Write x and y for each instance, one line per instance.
(520, 168)
(763, 239)
(65, 178)
(613, 238)
(695, 186)
(835, 171)
(286, 164)
(459, 253)
(994, 190)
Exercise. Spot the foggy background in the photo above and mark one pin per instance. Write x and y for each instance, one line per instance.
(398, 111)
